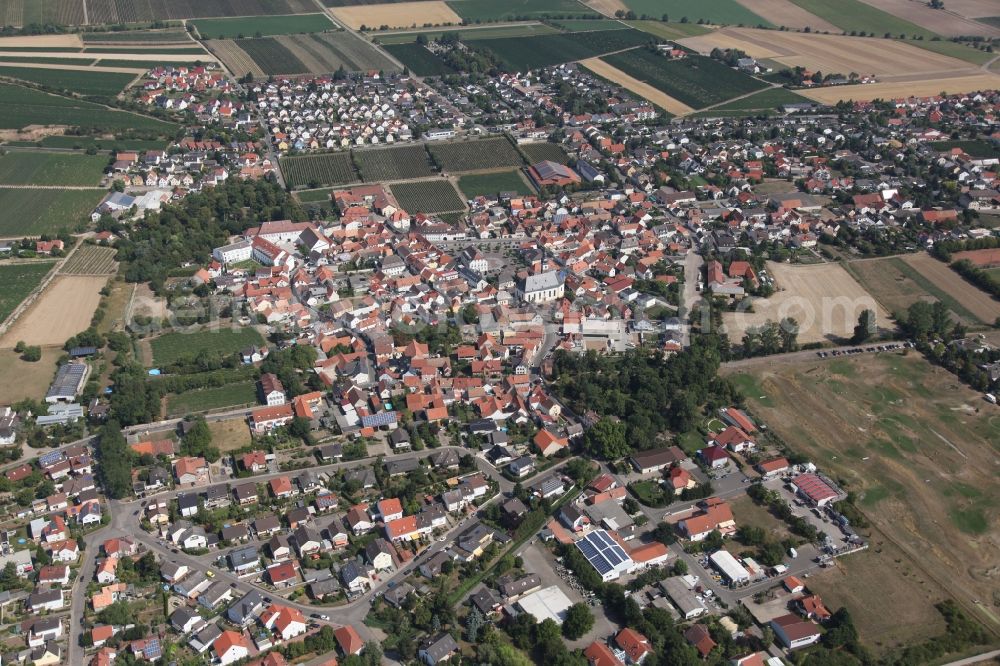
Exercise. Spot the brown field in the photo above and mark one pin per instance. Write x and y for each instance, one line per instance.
(124, 57)
(397, 15)
(788, 14)
(124, 69)
(641, 89)
(32, 378)
(975, 300)
(606, 7)
(833, 53)
(944, 23)
(43, 40)
(230, 435)
(823, 298)
(60, 312)
(920, 450)
(920, 88)
(234, 58)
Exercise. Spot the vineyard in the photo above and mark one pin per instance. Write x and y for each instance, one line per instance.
(232, 28)
(107, 84)
(538, 152)
(518, 54)
(398, 163)
(316, 170)
(26, 12)
(418, 59)
(35, 212)
(272, 57)
(27, 168)
(133, 11)
(233, 57)
(492, 153)
(143, 36)
(90, 260)
(429, 196)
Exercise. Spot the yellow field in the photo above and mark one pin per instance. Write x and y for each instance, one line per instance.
(53, 41)
(230, 435)
(788, 14)
(926, 88)
(397, 15)
(657, 97)
(124, 57)
(63, 310)
(946, 23)
(606, 7)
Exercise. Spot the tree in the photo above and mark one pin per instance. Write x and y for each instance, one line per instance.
(198, 441)
(115, 458)
(606, 439)
(865, 328)
(473, 624)
(32, 354)
(713, 541)
(579, 620)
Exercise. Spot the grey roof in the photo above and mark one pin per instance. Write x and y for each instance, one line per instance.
(246, 608)
(439, 648)
(244, 556)
(67, 381)
(542, 281)
(180, 617)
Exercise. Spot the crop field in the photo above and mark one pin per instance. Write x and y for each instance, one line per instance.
(695, 81)
(133, 11)
(171, 347)
(217, 397)
(90, 260)
(468, 34)
(84, 82)
(64, 308)
(669, 30)
(492, 153)
(326, 52)
(232, 28)
(20, 107)
(954, 288)
(922, 87)
(428, 196)
(524, 53)
(19, 280)
(641, 89)
(84, 142)
(31, 212)
(397, 14)
(233, 57)
(919, 449)
(544, 150)
(824, 299)
(489, 10)
(24, 12)
(719, 12)
(956, 50)
(588, 25)
(397, 163)
(418, 59)
(139, 36)
(24, 168)
(786, 13)
(146, 48)
(42, 60)
(490, 184)
(947, 23)
(851, 15)
(319, 169)
(765, 101)
(272, 56)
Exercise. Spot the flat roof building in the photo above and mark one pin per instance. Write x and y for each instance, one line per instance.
(69, 381)
(547, 603)
(730, 568)
(683, 597)
(605, 555)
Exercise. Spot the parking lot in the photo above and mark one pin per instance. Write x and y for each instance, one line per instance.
(871, 349)
(837, 541)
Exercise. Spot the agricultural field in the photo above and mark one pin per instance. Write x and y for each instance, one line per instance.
(31, 212)
(641, 89)
(855, 15)
(318, 169)
(265, 26)
(97, 143)
(924, 86)
(492, 153)
(64, 308)
(418, 59)
(138, 49)
(83, 82)
(25, 12)
(271, 56)
(43, 60)
(544, 150)
(90, 260)
(133, 11)
(523, 53)
(823, 298)
(588, 25)
(27, 168)
(131, 36)
(171, 347)
(947, 23)
(719, 12)
(787, 14)
(669, 30)
(428, 196)
(695, 81)
(230, 435)
(397, 163)
(326, 52)
(233, 57)
(918, 448)
(20, 107)
(490, 184)
(762, 102)
(19, 280)
(954, 288)
(956, 50)
(467, 33)
(217, 397)
(489, 10)
(397, 15)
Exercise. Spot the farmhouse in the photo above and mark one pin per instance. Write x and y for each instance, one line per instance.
(716, 515)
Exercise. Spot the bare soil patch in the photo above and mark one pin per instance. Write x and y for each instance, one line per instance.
(230, 435)
(397, 15)
(946, 23)
(823, 298)
(975, 300)
(892, 90)
(63, 310)
(54, 41)
(788, 14)
(657, 97)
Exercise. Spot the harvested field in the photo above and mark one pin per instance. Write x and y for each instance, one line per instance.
(823, 298)
(234, 58)
(973, 8)
(428, 196)
(606, 7)
(33, 378)
(396, 14)
(492, 153)
(830, 53)
(919, 449)
(933, 86)
(788, 14)
(90, 260)
(64, 309)
(48, 41)
(945, 23)
(634, 85)
(856, 15)
(976, 301)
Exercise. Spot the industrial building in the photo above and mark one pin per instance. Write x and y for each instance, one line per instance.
(69, 381)
(605, 555)
(732, 571)
(547, 603)
(683, 597)
(817, 489)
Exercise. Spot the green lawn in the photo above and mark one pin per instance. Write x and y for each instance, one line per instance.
(171, 347)
(262, 26)
(28, 168)
(18, 280)
(649, 493)
(858, 16)
(955, 50)
(28, 212)
(230, 395)
(492, 183)
(670, 30)
(720, 12)
(765, 101)
(21, 106)
(102, 84)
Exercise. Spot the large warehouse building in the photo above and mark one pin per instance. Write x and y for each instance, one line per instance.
(605, 555)
(732, 571)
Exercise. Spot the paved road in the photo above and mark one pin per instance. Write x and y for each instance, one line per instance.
(978, 659)
(88, 569)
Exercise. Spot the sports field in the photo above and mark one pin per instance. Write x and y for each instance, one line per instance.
(171, 347)
(28, 168)
(919, 449)
(64, 308)
(31, 212)
(397, 15)
(19, 280)
(250, 26)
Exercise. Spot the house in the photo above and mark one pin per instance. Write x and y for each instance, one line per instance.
(698, 636)
(187, 505)
(282, 574)
(246, 609)
(44, 599)
(54, 574)
(717, 515)
(522, 467)
(190, 470)
(246, 494)
(381, 555)
(284, 621)
(548, 443)
(254, 462)
(794, 632)
(735, 439)
(573, 518)
(389, 509)
(101, 634)
(244, 561)
(230, 647)
(184, 620)
(217, 594)
(656, 460)
(272, 393)
(107, 570)
(437, 649)
(811, 607)
(349, 640)
(773, 467)
(45, 629)
(599, 654)
(715, 457)
(635, 646)
(48, 654)
(354, 577)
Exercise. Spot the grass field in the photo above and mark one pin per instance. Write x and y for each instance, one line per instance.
(20, 107)
(34, 212)
(232, 28)
(492, 153)
(493, 183)
(428, 196)
(320, 169)
(919, 449)
(217, 397)
(524, 53)
(101, 84)
(230, 435)
(489, 10)
(720, 12)
(27, 168)
(33, 378)
(537, 152)
(670, 30)
(468, 34)
(397, 163)
(320, 195)
(174, 346)
(762, 102)
(18, 281)
(855, 15)
(956, 50)
(419, 60)
(696, 80)
(949, 287)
